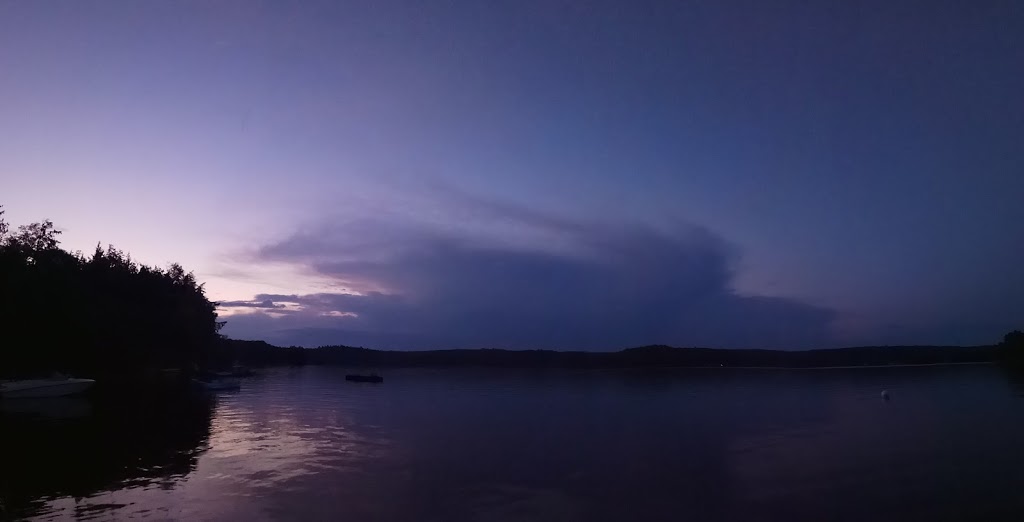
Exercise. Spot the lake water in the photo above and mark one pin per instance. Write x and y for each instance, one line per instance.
(490, 445)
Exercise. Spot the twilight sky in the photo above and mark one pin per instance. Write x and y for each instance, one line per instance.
(549, 174)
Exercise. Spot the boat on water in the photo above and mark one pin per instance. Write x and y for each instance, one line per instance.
(52, 387)
(364, 378)
(217, 384)
(236, 371)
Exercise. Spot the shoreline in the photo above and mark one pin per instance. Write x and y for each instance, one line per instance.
(866, 366)
(649, 368)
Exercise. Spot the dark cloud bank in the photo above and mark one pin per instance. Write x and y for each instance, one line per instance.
(577, 286)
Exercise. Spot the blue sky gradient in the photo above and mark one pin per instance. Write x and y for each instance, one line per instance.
(848, 173)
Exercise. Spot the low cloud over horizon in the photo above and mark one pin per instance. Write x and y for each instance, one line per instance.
(542, 282)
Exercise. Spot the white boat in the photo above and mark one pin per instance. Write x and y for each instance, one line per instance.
(33, 388)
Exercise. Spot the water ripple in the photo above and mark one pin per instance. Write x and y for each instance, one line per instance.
(303, 444)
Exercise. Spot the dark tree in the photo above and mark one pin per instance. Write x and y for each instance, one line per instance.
(1012, 347)
(1014, 339)
(36, 237)
(104, 315)
(3, 225)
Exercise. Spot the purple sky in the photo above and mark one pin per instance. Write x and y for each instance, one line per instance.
(538, 174)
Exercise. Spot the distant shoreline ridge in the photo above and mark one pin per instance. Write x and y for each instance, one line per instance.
(654, 356)
(851, 367)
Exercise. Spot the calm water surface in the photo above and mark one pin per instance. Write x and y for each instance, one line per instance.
(468, 445)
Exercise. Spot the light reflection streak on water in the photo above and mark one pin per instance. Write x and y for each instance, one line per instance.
(473, 446)
(259, 443)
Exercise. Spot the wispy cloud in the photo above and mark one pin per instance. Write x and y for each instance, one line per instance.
(265, 303)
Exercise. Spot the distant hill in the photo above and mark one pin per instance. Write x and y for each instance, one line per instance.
(258, 352)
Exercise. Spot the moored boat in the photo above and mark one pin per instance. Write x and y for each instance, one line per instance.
(364, 378)
(218, 384)
(236, 371)
(36, 388)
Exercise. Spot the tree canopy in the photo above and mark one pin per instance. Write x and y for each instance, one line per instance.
(94, 315)
(1012, 348)
(1014, 339)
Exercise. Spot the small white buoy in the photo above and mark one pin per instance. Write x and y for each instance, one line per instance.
(885, 395)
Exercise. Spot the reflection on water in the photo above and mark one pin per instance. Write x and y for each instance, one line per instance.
(57, 451)
(303, 444)
(48, 408)
(1014, 374)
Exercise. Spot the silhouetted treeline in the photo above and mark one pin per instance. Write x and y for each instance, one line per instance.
(258, 353)
(102, 315)
(654, 356)
(1011, 350)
